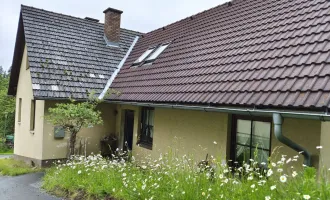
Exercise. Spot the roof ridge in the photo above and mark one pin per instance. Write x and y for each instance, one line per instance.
(194, 15)
(78, 18)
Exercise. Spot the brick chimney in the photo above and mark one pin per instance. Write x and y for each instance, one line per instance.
(112, 26)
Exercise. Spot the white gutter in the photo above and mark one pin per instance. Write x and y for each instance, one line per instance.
(113, 76)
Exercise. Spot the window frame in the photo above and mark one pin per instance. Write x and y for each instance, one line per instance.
(32, 115)
(19, 117)
(135, 63)
(233, 146)
(143, 140)
(146, 60)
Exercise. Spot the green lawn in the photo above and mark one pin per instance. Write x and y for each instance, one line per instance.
(11, 167)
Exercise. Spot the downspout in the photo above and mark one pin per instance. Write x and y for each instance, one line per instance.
(114, 74)
(278, 120)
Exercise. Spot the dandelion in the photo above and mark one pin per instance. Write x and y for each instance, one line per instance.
(267, 198)
(273, 187)
(283, 179)
(306, 196)
(319, 147)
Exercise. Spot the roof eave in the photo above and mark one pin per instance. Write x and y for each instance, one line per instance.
(17, 58)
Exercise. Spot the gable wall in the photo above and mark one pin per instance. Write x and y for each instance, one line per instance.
(27, 143)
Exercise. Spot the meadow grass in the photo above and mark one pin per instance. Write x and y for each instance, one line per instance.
(11, 167)
(169, 177)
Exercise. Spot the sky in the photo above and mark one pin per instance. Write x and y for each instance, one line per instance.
(138, 15)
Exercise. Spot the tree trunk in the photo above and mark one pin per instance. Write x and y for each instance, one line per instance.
(72, 143)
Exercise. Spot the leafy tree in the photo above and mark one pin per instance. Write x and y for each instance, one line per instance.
(7, 106)
(73, 116)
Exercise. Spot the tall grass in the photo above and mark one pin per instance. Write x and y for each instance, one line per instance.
(170, 177)
(11, 167)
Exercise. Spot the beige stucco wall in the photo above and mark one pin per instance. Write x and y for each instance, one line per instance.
(27, 143)
(185, 132)
(305, 133)
(57, 148)
(325, 143)
(193, 132)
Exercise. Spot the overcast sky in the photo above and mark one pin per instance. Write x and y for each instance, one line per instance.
(139, 15)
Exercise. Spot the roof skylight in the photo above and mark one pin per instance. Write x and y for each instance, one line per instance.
(158, 51)
(143, 56)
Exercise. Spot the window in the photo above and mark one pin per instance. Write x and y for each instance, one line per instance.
(147, 127)
(32, 116)
(19, 110)
(156, 53)
(143, 56)
(251, 140)
(150, 55)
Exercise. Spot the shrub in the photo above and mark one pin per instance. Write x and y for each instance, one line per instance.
(170, 177)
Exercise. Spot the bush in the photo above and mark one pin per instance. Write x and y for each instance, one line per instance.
(171, 177)
(5, 149)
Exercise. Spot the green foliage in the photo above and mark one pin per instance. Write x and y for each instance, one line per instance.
(7, 106)
(11, 167)
(73, 116)
(174, 177)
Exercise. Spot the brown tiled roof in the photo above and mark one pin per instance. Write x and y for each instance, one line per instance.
(273, 53)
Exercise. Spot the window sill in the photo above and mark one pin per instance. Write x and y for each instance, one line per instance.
(145, 145)
(32, 132)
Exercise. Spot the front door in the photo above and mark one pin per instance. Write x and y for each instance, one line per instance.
(128, 129)
(251, 139)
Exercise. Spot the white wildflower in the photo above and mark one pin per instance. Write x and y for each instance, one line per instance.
(273, 187)
(253, 186)
(319, 147)
(214, 142)
(79, 172)
(283, 179)
(294, 174)
(270, 172)
(267, 198)
(279, 170)
(306, 196)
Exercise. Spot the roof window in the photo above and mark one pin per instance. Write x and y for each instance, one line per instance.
(151, 55)
(143, 56)
(156, 53)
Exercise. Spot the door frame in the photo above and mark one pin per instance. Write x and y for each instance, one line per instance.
(124, 121)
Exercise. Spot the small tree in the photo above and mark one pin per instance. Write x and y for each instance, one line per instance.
(74, 116)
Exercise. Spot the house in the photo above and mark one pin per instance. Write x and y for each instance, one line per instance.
(242, 76)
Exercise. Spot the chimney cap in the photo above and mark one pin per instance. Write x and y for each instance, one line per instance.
(91, 19)
(112, 10)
